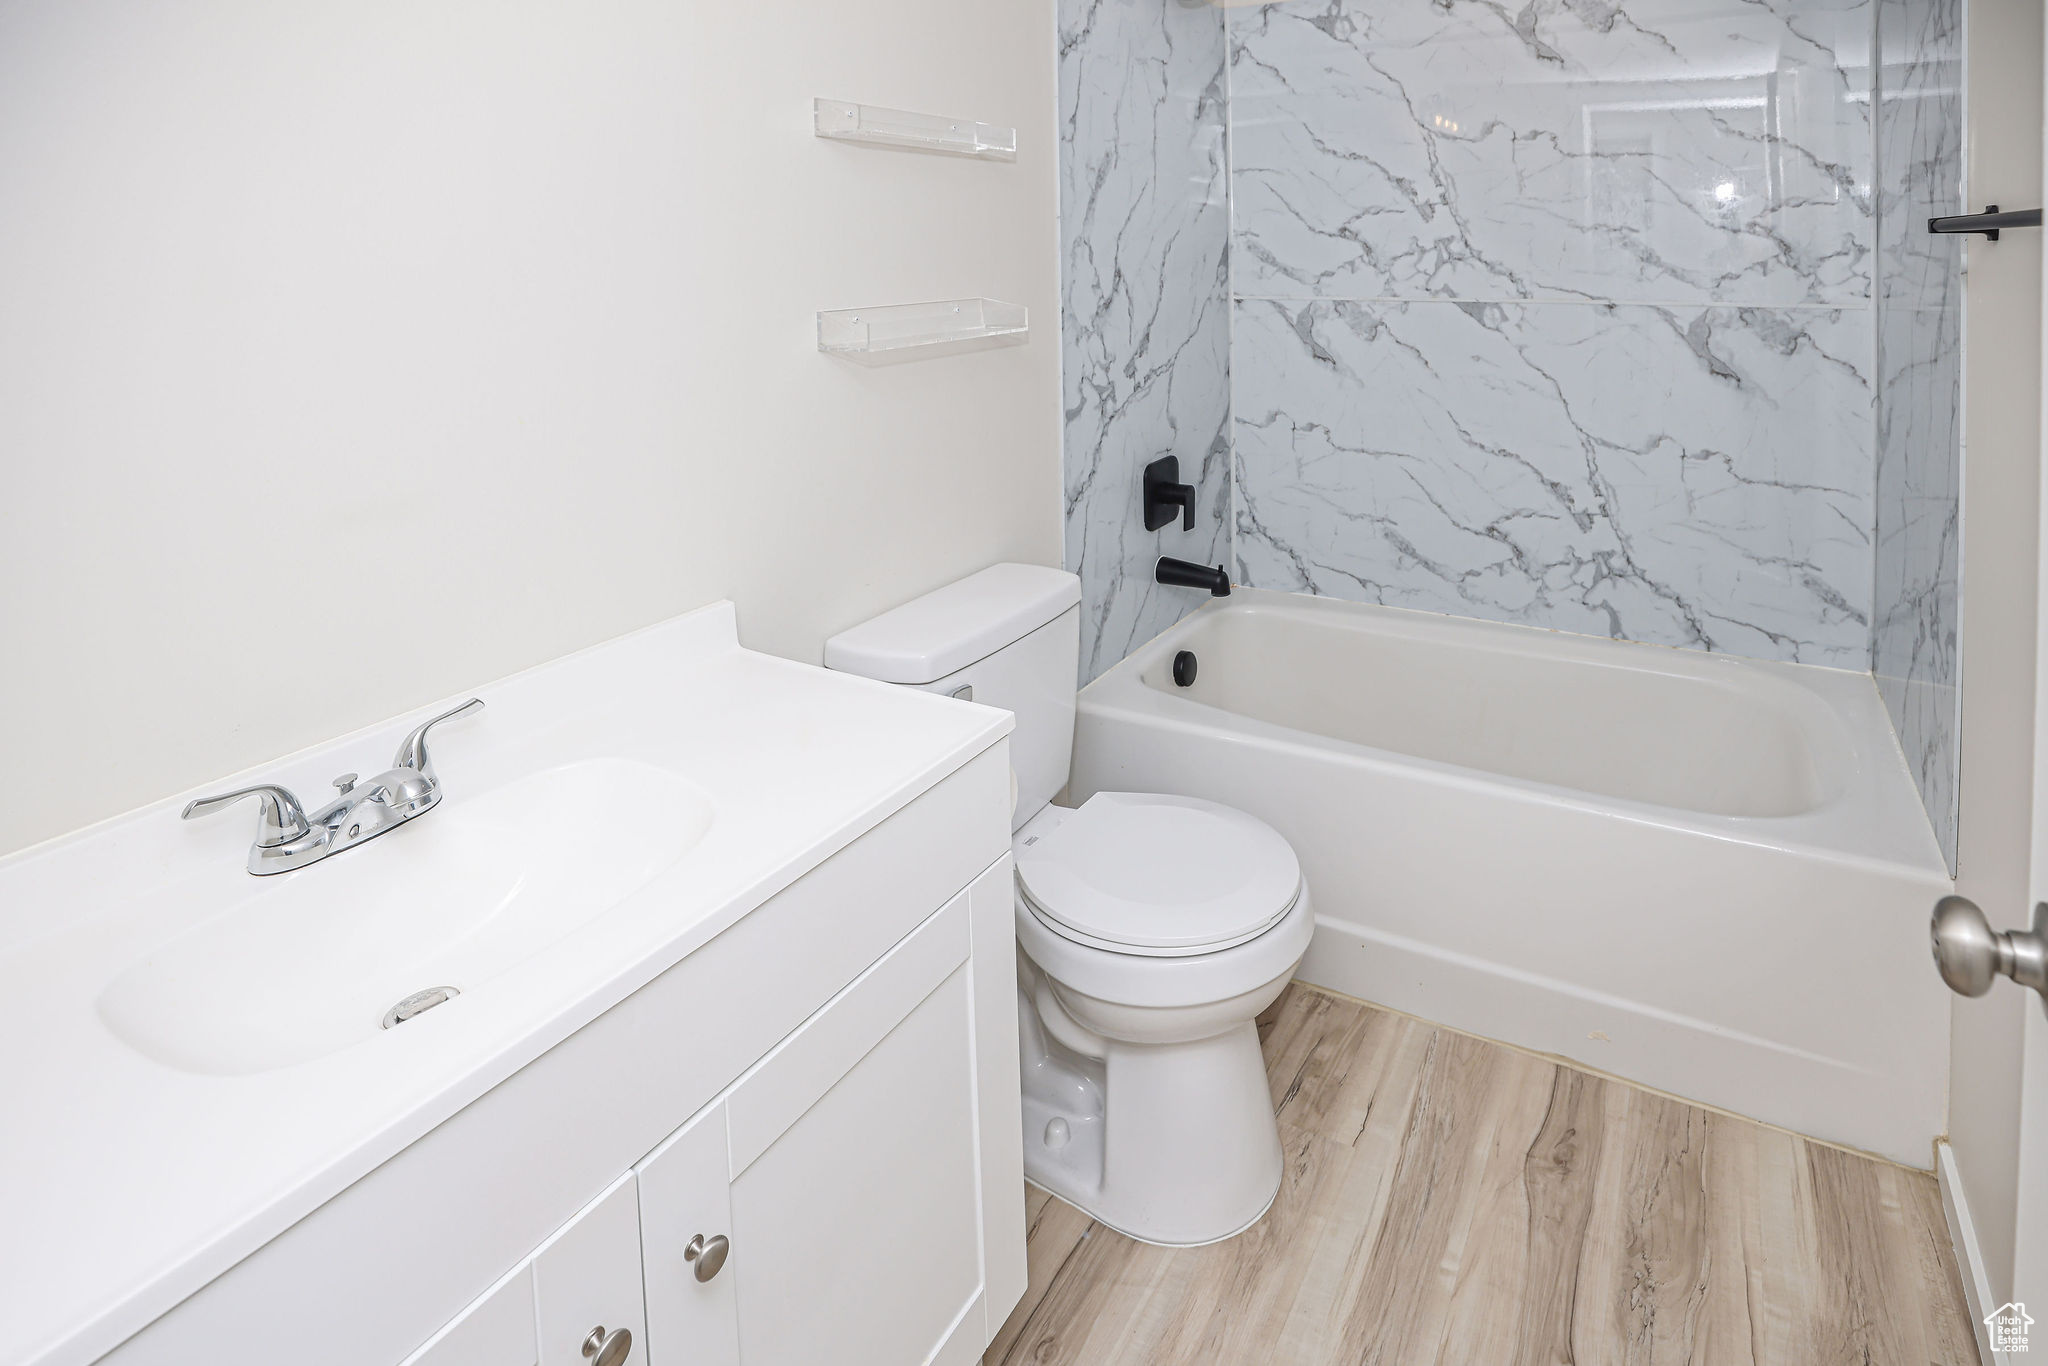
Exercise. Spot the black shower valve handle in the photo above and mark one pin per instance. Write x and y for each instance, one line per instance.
(1164, 492)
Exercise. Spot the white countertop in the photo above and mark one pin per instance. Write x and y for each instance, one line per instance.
(127, 1184)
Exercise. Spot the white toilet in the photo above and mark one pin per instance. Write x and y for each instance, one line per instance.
(1154, 929)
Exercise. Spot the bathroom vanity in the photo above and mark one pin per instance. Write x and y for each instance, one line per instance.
(730, 1073)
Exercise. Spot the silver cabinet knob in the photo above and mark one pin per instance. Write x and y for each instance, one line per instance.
(1971, 955)
(707, 1254)
(608, 1349)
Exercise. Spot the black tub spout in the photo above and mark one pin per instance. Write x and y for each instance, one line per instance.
(1181, 574)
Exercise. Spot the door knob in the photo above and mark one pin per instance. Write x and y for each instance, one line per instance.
(707, 1254)
(608, 1349)
(1972, 955)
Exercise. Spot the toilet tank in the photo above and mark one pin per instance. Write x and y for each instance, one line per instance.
(1007, 637)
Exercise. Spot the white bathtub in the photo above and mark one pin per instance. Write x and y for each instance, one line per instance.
(1707, 874)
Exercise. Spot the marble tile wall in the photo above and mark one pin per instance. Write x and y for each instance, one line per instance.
(1612, 316)
(1687, 475)
(1560, 314)
(1144, 232)
(1919, 403)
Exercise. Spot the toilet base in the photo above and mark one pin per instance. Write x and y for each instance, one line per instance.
(1099, 1218)
(1167, 1143)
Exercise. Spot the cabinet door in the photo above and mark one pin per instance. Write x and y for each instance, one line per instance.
(496, 1330)
(999, 1092)
(685, 1243)
(586, 1285)
(855, 1197)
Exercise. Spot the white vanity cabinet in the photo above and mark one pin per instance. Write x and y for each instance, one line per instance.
(575, 1302)
(587, 1307)
(498, 1330)
(855, 1195)
(828, 1207)
(685, 1243)
(847, 1187)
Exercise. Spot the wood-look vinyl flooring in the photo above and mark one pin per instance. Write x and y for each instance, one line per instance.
(1450, 1200)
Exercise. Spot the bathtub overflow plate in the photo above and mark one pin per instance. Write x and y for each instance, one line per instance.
(419, 1003)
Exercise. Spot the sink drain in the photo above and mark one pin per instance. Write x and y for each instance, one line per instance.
(419, 1003)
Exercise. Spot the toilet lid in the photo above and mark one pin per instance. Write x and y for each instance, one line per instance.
(1151, 874)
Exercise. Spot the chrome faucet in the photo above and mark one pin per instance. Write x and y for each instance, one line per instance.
(289, 838)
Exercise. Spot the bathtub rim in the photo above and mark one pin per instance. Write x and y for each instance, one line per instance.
(1873, 816)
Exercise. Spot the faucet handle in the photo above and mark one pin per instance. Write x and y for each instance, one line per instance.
(1164, 492)
(412, 753)
(284, 819)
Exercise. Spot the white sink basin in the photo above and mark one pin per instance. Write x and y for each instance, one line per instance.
(307, 963)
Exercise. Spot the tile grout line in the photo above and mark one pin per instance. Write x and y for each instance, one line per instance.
(1235, 569)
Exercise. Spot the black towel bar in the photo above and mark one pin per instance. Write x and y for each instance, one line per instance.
(1987, 222)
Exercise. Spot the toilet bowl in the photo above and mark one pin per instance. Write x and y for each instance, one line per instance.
(1152, 931)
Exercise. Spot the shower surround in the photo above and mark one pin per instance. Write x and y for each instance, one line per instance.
(1565, 315)
(1559, 317)
(1144, 241)
(1919, 410)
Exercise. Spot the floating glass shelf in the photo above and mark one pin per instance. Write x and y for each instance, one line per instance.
(859, 333)
(901, 128)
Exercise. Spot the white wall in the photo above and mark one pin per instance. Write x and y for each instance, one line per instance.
(2002, 300)
(354, 353)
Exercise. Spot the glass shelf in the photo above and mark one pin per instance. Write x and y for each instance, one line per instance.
(860, 333)
(901, 128)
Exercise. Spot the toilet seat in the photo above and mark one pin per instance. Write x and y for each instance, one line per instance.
(1158, 876)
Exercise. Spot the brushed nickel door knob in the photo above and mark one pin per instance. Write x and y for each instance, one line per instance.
(608, 1349)
(707, 1254)
(1971, 955)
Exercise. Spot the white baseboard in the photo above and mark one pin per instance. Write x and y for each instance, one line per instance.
(1962, 1235)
